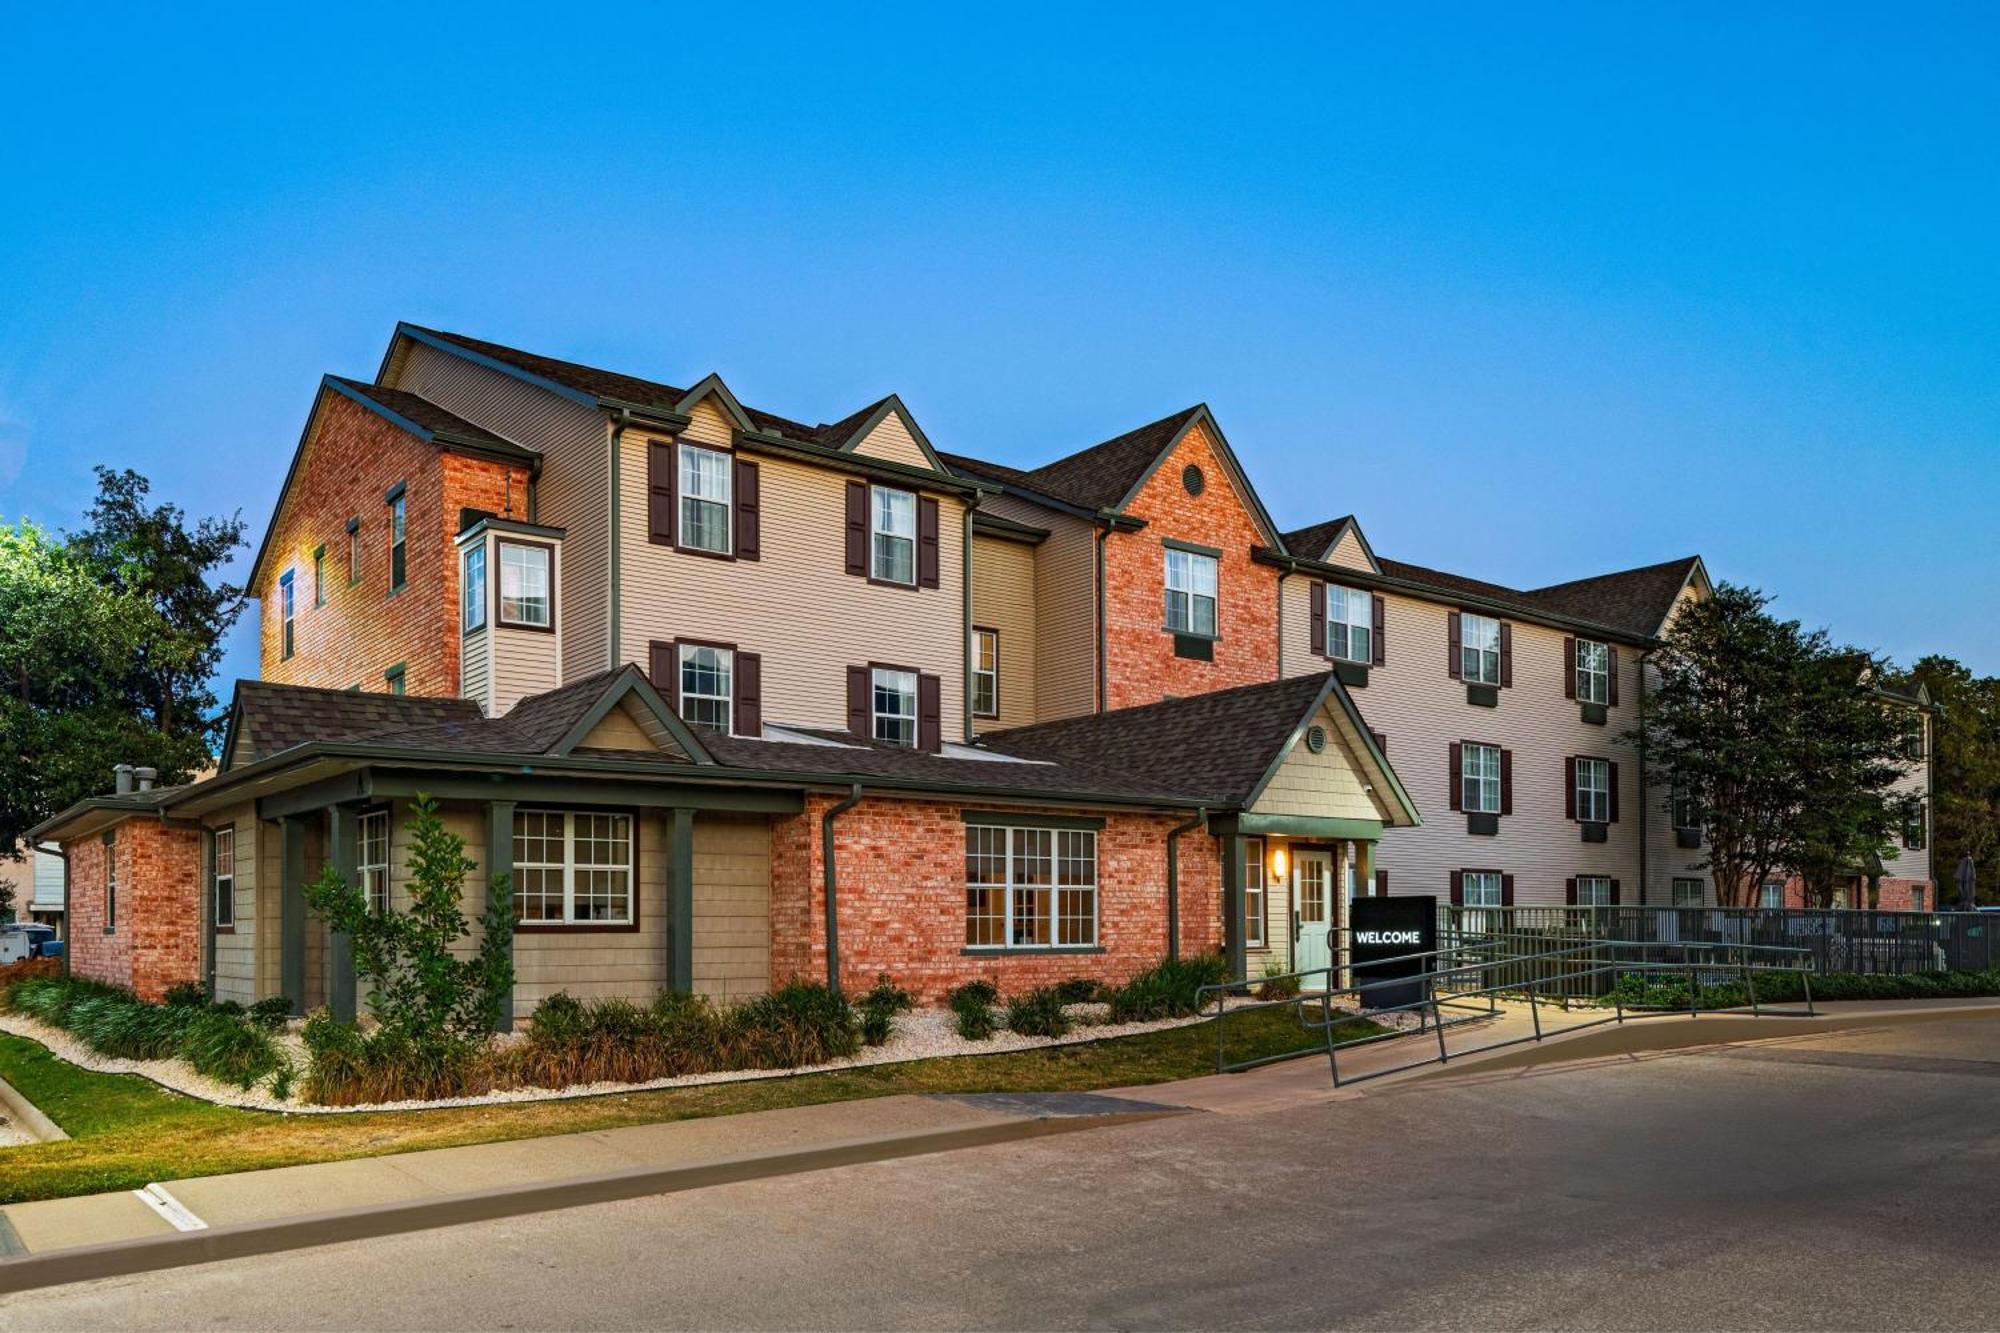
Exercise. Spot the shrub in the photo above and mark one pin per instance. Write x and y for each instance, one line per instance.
(347, 1067)
(878, 1008)
(972, 1008)
(185, 993)
(1080, 990)
(1168, 989)
(214, 1041)
(1039, 1013)
(227, 1048)
(800, 1023)
(270, 1014)
(1277, 985)
(1669, 990)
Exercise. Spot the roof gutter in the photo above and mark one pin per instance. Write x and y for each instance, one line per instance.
(831, 880)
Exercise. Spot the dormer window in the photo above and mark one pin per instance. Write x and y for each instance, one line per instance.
(526, 599)
(705, 500)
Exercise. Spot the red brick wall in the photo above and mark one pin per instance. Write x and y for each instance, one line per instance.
(1139, 656)
(902, 899)
(157, 940)
(351, 459)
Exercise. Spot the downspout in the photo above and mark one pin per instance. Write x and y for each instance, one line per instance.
(1283, 574)
(1174, 879)
(619, 422)
(1645, 801)
(1103, 534)
(827, 871)
(56, 849)
(965, 635)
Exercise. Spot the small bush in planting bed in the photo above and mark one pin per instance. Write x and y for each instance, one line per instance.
(972, 1009)
(218, 1043)
(1168, 989)
(1039, 1013)
(878, 1009)
(1670, 990)
(1080, 990)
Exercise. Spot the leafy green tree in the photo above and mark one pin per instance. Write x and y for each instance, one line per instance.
(1849, 757)
(1965, 772)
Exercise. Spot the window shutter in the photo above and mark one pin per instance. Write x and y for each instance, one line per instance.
(857, 701)
(857, 528)
(663, 669)
(749, 526)
(1611, 661)
(1569, 667)
(749, 708)
(1569, 890)
(1458, 888)
(1614, 893)
(1611, 778)
(660, 492)
(1457, 762)
(1319, 619)
(1569, 787)
(1506, 890)
(930, 725)
(1381, 645)
(1381, 883)
(1506, 782)
(927, 542)
(1506, 653)
(1455, 662)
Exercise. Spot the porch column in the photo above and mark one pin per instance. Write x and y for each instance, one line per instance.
(500, 861)
(1232, 905)
(680, 899)
(292, 911)
(343, 855)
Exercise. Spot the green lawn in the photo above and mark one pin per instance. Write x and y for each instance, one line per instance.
(127, 1132)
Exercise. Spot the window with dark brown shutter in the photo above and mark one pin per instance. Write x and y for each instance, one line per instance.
(749, 695)
(930, 708)
(749, 522)
(1611, 656)
(1454, 659)
(1614, 893)
(857, 701)
(1506, 890)
(1381, 650)
(1569, 891)
(1458, 888)
(660, 492)
(663, 668)
(1611, 769)
(1506, 654)
(1569, 667)
(857, 538)
(1569, 787)
(1457, 764)
(1381, 883)
(1317, 620)
(1506, 782)
(927, 542)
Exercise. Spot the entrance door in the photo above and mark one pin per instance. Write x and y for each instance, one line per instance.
(1314, 875)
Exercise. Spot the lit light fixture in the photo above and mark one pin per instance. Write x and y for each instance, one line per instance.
(1278, 860)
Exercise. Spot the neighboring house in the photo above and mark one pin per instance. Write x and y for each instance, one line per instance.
(36, 878)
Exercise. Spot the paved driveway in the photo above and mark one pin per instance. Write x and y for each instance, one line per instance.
(1830, 1182)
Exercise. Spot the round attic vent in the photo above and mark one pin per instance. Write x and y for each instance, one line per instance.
(1192, 479)
(1315, 739)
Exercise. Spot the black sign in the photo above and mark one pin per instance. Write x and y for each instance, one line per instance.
(1386, 929)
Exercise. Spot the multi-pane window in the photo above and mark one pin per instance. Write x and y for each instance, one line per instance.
(353, 551)
(1916, 900)
(524, 585)
(285, 614)
(1482, 888)
(1771, 893)
(1593, 672)
(1593, 891)
(472, 589)
(572, 867)
(319, 576)
(892, 535)
(1593, 791)
(1479, 778)
(371, 860)
(1350, 624)
(1190, 592)
(707, 693)
(110, 883)
(704, 499)
(894, 706)
(1479, 649)
(1686, 809)
(397, 545)
(1689, 893)
(1916, 825)
(1253, 892)
(222, 876)
(1030, 888)
(985, 673)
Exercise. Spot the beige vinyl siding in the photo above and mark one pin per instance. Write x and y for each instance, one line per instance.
(572, 492)
(892, 440)
(1348, 552)
(1065, 608)
(474, 678)
(236, 952)
(1666, 860)
(618, 730)
(1328, 784)
(1003, 600)
(1421, 710)
(796, 606)
(1902, 862)
(524, 662)
(732, 905)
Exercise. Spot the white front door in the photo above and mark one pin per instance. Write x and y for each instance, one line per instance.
(1312, 879)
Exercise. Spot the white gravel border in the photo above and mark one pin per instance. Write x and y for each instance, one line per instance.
(923, 1034)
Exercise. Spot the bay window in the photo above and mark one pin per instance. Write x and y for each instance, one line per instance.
(525, 598)
(472, 589)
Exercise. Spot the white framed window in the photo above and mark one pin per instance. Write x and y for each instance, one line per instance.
(1254, 882)
(1190, 592)
(572, 868)
(372, 858)
(222, 876)
(398, 546)
(1479, 649)
(1029, 888)
(707, 687)
(285, 606)
(1593, 890)
(1690, 893)
(1482, 888)
(893, 706)
(1771, 893)
(525, 602)
(319, 576)
(985, 673)
(110, 883)
(892, 535)
(472, 589)
(1479, 778)
(1916, 824)
(1686, 809)
(1593, 791)
(1593, 672)
(1916, 899)
(705, 499)
(353, 551)
(1350, 624)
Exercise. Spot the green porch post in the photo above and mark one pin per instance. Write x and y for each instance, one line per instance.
(1232, 905)
(500, 861)
(292, 911)
(343, 854)
(680, 899)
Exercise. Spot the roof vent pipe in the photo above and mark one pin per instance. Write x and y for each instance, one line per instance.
(121, 779)
(147, 777)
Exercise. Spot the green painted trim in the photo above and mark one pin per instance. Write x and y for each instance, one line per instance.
(745, 800)
(292, 911)
(1234, 944)
(965, 635)
(882, 469)
(631, 681)
(343, 855)
(1173, 545)
(1324, 828)
(712, 386)
(1008, 819)
(680, 896)
(500, 861)
(1007, 529)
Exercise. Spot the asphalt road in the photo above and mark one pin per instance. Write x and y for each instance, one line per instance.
(1840, 1182)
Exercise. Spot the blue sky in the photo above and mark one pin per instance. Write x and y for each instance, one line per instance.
(1537, 291)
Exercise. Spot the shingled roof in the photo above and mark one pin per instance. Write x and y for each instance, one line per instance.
(440, 425)
(268, 718)
(1635, 600)
(1314, 542)
(1099, 477)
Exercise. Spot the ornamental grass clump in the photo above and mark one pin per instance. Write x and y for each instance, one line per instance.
(972, 1009)
(211, 1039)
(877, 1010)
(1039, 1013)
(1170, 988)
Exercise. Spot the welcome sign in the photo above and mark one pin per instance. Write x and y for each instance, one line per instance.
(1381, 933)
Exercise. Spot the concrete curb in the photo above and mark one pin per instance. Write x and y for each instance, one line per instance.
(28, 1115)
(242, 1240)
